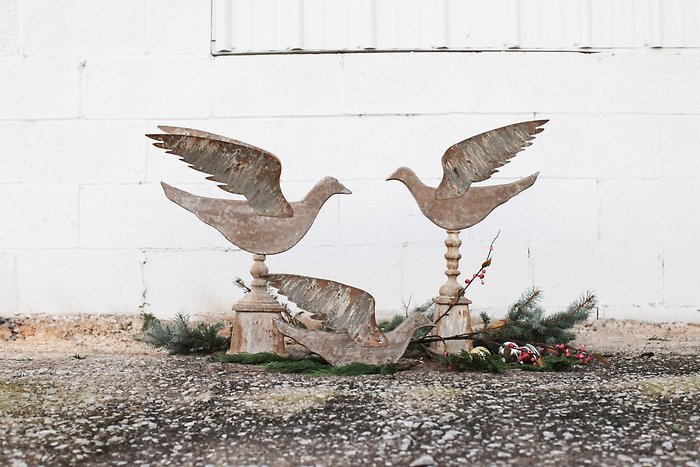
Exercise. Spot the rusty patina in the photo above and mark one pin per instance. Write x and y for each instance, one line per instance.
(338, 348)
(348, 314)
(245, 228)
(466, 211)
(456, 205)
(340, 307)
(239, 167)
(266, 223)
(477, 158)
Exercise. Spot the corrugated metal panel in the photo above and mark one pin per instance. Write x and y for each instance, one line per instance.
(279, 26)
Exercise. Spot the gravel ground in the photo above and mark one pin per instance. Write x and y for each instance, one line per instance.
(162, 410)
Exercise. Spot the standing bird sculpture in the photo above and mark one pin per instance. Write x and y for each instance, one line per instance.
(455, 204)
(264, 224)
(348, 313)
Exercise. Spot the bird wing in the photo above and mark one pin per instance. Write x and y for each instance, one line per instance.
(342, 307)
(477, 158)
(239, 167)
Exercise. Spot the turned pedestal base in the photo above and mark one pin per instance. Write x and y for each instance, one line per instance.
(457, 321)
(252, 328)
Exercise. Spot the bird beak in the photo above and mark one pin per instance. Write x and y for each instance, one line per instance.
(345, 191)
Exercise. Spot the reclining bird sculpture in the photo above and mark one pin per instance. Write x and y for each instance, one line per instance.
(264, 224)
(348, 313)
(455, 204)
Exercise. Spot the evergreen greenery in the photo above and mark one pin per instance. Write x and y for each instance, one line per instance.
(466, 361)
(559, 363)
(251, 358)
(180, 337)
(526, 320)
(317, 367)
(426, 308)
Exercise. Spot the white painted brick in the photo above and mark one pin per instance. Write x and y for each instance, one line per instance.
(650, 210)
(84, 27)
(11, 137)
(9, 27)
(179, 27)
(375, 269)
(196, 282)
(364, 147)
(271, 85)
(615, 146)
(79, 281)
(619, 273)
(550, 210)
(138, 216)
(631, 210)
(74, 152)
(681, 285)
(406, 83)
(152, 87)
(510, 274)
(381, 212)
(39, 88)
(36, 216)
(681, 145)
(679, 213)
(169, 168)
(535, 82)
(652, 82)
(8, 283)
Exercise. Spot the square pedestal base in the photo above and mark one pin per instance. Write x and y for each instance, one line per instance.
(254, 331)
(458, 321)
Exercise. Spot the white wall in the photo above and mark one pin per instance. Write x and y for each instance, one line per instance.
(85, 227)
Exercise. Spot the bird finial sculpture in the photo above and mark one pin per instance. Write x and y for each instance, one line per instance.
(456, 205)
(265, 224)
(347, 312)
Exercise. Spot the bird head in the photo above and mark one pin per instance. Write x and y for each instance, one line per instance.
(336, 187)
(401, 174)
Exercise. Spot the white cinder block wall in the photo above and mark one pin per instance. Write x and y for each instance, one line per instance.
(85, 227)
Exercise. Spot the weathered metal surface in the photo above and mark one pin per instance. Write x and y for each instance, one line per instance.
(245, 228)
(265, 224)
(457, 321)
(464, 212)
(339, 306)
(338, 348)
(254, 332)
(477, 158)
(455, 205)
(240, 167)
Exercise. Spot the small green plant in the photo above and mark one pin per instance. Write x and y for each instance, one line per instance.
(180, 337)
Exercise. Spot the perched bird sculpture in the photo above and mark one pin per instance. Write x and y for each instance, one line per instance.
(264, 224)
(348, 313)
(455, 204)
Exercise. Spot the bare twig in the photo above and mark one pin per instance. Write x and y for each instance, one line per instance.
(485, 264)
